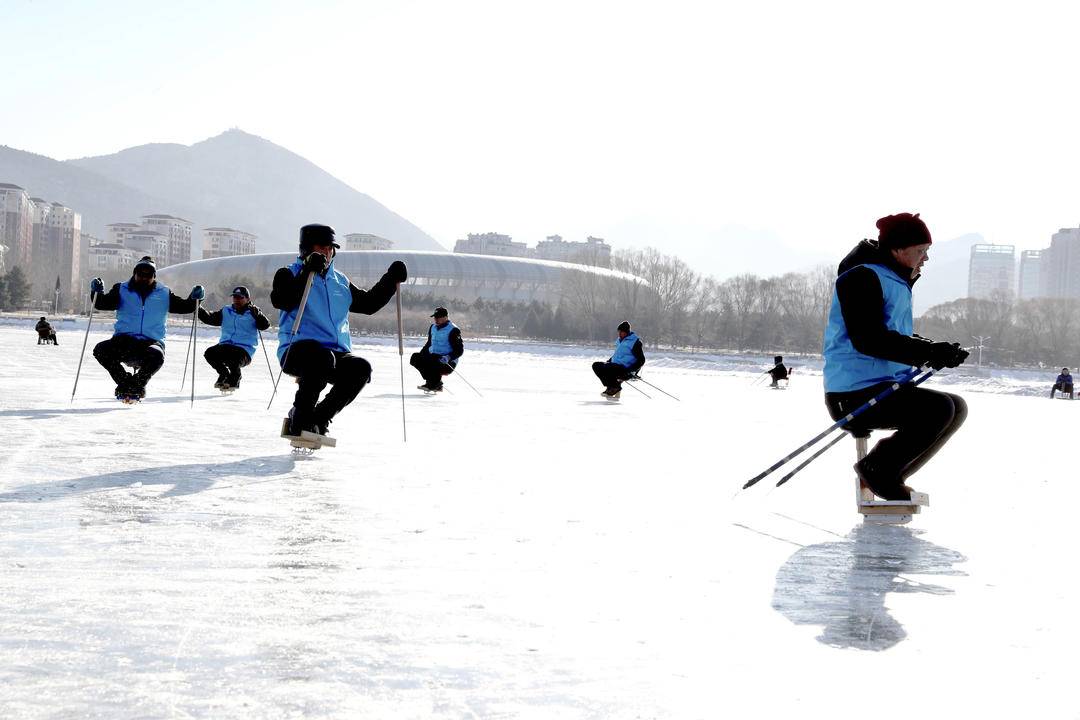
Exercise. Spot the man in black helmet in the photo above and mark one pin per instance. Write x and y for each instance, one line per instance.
(320, 352)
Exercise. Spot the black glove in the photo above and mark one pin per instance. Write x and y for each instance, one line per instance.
(943, 355)
(397, 271)
(316, 262)
(254, 310)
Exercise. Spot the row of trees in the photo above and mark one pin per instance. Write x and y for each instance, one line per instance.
(682, 308)
(1024, 332)
(678, 307)
(14, 289)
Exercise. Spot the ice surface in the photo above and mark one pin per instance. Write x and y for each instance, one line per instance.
(535, 553)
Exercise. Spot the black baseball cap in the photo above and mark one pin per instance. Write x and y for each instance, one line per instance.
(241, 291)
(440, 312)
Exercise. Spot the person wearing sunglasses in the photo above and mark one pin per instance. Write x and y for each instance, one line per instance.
(138, 340)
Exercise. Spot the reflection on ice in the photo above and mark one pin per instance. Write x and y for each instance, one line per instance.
(842, 585)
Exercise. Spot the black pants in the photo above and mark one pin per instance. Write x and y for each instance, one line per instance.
(46, 337)
(315, 367)
(923, 419)
(1065, 388)
(611, 374)
(227, 360)
(145, 356)
(430, 368)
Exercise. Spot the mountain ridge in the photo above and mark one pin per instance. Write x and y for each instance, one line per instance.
(233, 179)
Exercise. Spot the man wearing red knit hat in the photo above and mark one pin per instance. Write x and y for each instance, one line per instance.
(870, 344)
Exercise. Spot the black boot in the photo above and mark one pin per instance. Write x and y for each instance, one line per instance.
(885, 485)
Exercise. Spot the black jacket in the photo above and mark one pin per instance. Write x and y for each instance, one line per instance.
(289, 289)
(862, 304)
(215, 318)
(111, 299)
(457, 348)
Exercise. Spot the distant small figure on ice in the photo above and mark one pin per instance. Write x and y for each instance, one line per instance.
(240, 324)
(778, 372)
(624, 363)
(440, 354)
(1063, 383)
(138, 340)
(45, 332)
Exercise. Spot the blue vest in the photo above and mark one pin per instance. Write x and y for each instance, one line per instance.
(847, 369)
(239, 329)
(440, 339)
(143, 319)
(624, 351)
(326, 315)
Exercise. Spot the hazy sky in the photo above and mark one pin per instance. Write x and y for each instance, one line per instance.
(741, 136)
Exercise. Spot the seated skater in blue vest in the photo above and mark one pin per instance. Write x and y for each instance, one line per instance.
(138, 340)
(440, 353)
(627, 359)
(240, 324)
(869, 345)
(321, 352)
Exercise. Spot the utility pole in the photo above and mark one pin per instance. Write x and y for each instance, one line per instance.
(981, 339)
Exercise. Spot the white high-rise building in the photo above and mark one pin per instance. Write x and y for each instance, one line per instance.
(367, 241)
(110, 259)
(177, 232)
(1031, 274)
(118, 232)
(491, 244)
(65, 244)
(992, 271)
(147, 242)
(16, 225)
(594, 251)
(1063, 267)
(223, 242)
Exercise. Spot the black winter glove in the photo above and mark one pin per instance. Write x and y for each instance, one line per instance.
(254, 310)
(397, 271)
(943, 355)
(316, 262)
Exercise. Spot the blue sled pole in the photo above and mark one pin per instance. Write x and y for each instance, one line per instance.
(844, 421)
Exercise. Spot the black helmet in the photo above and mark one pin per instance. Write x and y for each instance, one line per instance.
(778, 359)
(146, 262)
(315, 234)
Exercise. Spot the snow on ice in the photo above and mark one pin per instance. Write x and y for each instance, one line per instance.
(537, 552)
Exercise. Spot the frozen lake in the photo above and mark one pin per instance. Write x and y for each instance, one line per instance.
(533, 553)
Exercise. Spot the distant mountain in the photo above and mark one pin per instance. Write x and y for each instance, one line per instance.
(100, 200)
(235, 179)
(945, 276)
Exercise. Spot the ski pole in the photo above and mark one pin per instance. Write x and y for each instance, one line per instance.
(401, 361)
(467, 383)
(638, 389)
(655, 388)
(846, 419)
(194, 346)
(83, 351)
(292, 334)
(810, 459)
(265, 354)
(187, 353)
